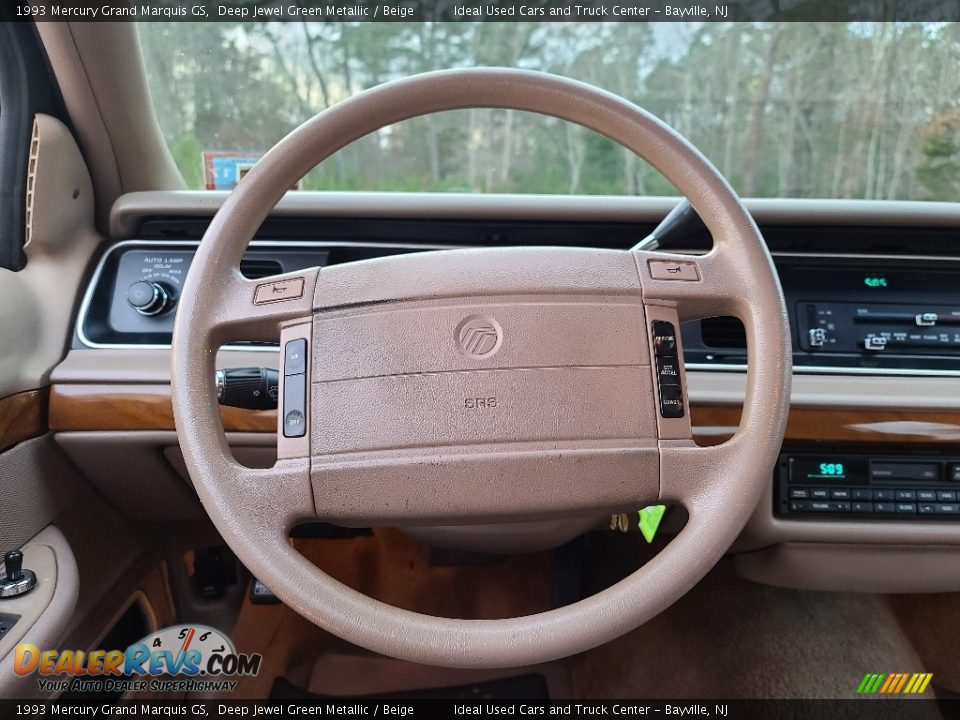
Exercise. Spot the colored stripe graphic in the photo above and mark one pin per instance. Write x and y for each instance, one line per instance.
(894, 683)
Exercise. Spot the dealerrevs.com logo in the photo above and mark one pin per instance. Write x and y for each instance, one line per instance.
(180, 658)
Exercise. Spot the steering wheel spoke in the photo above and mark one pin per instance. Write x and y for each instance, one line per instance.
(697, 286)
(255, 310)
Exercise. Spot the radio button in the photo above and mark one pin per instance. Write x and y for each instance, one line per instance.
(862, 507)
(883, 507)
(883, 495)
(875, 343)
(950, 509)
(947, 496)
(906, 508)
(906, 495)
(863, 494)
(926, 495)
(953, 472)
(799, 494)
(840, 494)
(820, 494)
(927, 508)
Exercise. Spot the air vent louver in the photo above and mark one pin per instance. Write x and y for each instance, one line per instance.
(256, 268)
(723, 332)
(31, 181)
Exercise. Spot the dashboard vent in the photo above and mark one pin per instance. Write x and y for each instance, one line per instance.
(723, 332)
(256, 268)
(31, 181)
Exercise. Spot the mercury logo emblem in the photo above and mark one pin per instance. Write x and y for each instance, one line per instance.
(478, 336)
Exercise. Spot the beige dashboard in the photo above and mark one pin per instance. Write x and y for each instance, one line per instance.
(111, 402)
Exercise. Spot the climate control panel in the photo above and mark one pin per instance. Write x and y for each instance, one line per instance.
(857, 486)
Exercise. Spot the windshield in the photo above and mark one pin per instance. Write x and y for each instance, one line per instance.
(831, 110)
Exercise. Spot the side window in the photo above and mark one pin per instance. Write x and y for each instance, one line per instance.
(26, 88)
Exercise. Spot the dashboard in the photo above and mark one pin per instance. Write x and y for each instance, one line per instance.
(852, 309)
(871, 460)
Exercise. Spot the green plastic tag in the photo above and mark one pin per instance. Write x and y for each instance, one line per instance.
(650, 518)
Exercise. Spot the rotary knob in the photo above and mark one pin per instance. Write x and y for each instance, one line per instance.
(148, 297)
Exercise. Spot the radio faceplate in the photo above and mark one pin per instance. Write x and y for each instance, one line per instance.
(864, 487)
(853, 314)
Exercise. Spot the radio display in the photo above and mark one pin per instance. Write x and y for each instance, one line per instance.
(814, 469)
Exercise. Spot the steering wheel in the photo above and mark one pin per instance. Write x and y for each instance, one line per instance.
(481, 385)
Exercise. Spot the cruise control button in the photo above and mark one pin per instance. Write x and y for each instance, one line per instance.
(664, 339)
(906, 508)
(668, 371)
(295, 405)
(294, 424)
(295, 357)
(671, 401)
(665, 345)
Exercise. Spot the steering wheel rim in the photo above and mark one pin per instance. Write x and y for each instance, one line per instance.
(255, 509)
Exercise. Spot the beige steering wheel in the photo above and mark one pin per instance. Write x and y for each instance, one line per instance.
(487, 385)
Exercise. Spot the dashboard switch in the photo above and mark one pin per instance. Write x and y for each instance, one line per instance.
(15, 580)
(148, 297)
(876, 343)
(817, 337)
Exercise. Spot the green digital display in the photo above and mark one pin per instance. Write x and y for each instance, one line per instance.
(831, 469)
(875, 281)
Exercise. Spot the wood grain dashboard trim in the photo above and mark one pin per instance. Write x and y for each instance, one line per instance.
(136, 407)
(23, 416)
(84, 406)
(713, 424)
